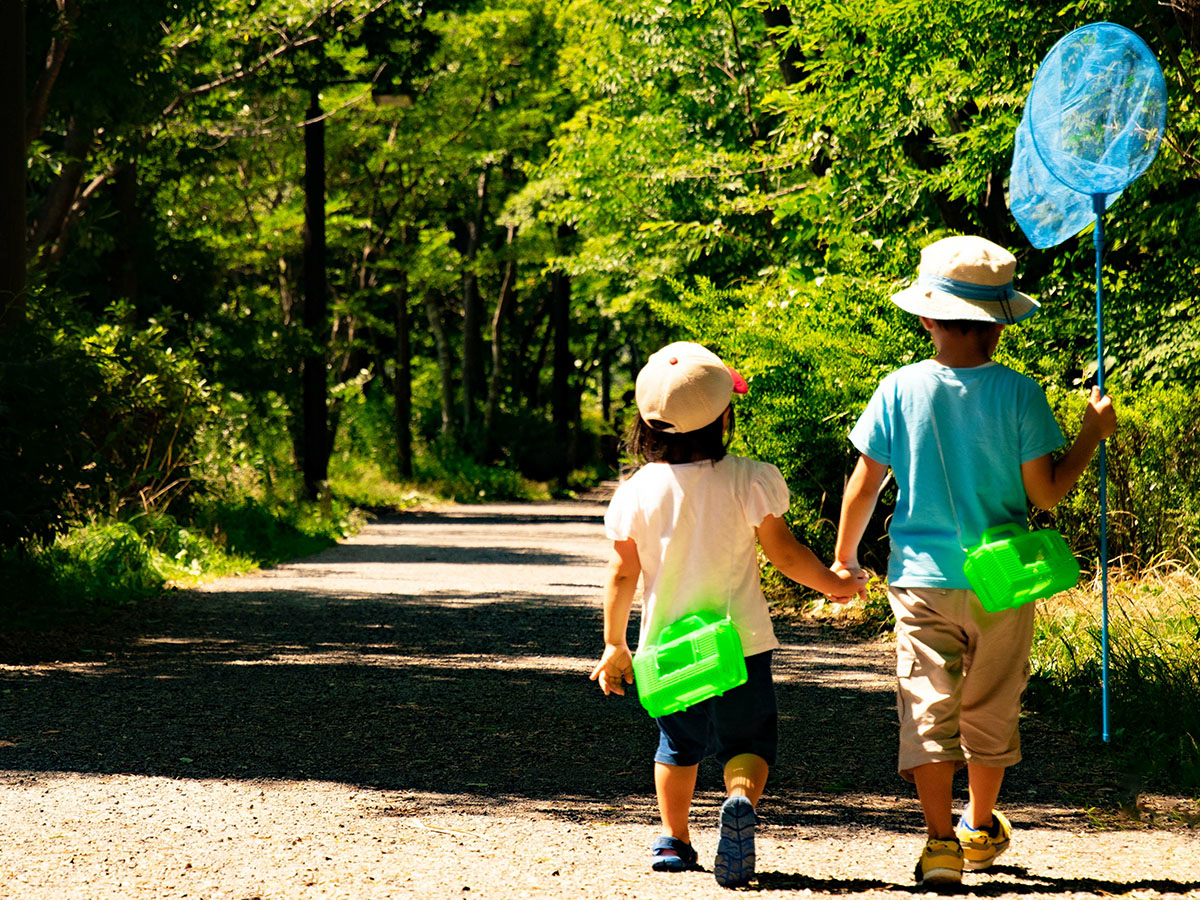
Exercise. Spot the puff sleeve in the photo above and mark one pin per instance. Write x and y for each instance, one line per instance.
(620, 519)
(766, 494)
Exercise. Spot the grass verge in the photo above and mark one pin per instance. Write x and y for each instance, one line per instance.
(1153, 663)
(101, 566)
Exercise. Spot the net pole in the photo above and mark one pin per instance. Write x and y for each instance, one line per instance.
(1098, 240)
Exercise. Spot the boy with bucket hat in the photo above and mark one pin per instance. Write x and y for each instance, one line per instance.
(969, 442)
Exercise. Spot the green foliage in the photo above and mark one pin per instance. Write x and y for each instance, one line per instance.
(270, 531)
(447, 472)
(44, 454)
(104, 565)
(151, 402)
(812, 354)
(787, 174)
(1153, 481)
(94, 420)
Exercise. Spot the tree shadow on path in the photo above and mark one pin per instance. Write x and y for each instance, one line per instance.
(459, 684)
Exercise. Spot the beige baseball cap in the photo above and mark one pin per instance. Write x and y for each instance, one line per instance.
(966, 278)
(685, 386)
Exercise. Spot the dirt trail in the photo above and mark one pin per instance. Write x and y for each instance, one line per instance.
(408, 715)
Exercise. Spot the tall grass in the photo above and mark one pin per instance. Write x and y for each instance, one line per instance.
(1154, 667)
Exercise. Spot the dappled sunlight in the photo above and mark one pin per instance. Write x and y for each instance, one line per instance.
(362, 657)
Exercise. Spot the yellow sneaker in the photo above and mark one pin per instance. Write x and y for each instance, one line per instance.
(981, 846)
(941, 862)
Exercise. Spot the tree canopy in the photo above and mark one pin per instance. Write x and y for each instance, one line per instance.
(520, 200)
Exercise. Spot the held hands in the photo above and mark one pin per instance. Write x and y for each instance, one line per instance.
(852, 579)
(1099, 415)
(614, 670)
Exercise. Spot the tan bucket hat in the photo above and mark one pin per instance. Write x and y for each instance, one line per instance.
(684, 387)
(966, 278)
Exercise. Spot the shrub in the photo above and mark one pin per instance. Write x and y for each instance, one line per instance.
(92, 421)
(447, 472)
(813, 353)
(1153, 482)
(46, 464)
(151, 402)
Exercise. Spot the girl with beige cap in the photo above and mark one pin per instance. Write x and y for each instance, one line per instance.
(686, 523)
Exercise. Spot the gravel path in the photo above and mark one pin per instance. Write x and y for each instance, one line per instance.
(408, 715)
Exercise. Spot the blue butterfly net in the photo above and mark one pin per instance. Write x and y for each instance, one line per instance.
(1092, 124)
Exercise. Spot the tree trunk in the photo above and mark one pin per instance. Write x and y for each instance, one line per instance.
(314, 383)
(124, 260)
(35, 116)
(56, 206)
(403, 385)
(504, 303)
(791, 59)
(445, 360)
(560, 393)
(12, 163)
(473, 375)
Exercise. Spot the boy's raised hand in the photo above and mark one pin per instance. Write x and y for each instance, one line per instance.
(1099, 415)
(615, 667)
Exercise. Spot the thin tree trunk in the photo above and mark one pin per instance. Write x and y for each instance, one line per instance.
(560, 393)
(473, 376)
(52, 216)
(125, 254)
(504, 303)
(445, 360)
(39, 101)
(403, 386)
(314, 381)
(12, 163)
(791, 58)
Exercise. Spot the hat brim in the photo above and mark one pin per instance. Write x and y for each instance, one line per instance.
(935, 304)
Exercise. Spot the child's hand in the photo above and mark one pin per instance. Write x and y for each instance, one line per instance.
(852, 579)
(615, 667)
(1099, 415)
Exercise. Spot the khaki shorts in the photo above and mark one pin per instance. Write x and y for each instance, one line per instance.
(960, 674)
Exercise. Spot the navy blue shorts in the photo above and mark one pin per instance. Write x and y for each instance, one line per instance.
(743, 720)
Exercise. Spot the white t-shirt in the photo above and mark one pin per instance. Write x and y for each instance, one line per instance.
(693, 524)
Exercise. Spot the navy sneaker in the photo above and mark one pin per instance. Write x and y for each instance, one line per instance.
(734, 865)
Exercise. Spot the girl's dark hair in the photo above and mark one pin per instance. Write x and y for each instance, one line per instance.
(647, 444)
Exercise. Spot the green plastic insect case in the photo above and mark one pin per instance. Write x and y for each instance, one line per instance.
(1012, 566)
(694, 658)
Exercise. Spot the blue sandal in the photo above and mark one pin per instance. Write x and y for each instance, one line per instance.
(669, 854)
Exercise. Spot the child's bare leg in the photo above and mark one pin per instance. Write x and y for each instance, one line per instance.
(675, 786)
(746, 774)
(935, 788)
(984, 789)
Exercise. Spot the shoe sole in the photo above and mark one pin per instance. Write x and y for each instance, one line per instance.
(734, 865)
(941, 876)
(978, 865)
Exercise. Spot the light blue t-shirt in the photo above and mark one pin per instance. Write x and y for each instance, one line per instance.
(990, 420)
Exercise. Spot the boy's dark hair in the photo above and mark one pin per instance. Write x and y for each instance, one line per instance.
(647, 444)
(967, 326)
